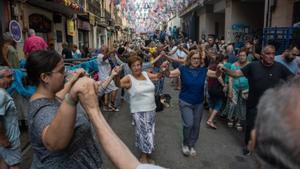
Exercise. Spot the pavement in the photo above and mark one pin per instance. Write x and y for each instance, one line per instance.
(216, 149)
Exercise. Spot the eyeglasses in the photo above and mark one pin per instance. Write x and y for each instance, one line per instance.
(61, 71)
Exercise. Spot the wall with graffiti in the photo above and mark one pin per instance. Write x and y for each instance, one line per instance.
(246, 21)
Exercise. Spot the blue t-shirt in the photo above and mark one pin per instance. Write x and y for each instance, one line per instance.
(192, 81)
(292, 66)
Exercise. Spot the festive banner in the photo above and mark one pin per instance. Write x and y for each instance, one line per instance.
(145, 15)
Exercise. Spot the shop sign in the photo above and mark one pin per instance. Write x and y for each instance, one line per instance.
(15, 30)
(70, 27)
(83, 25)
(92, 19)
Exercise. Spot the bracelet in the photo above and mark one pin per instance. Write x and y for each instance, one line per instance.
(69, 100)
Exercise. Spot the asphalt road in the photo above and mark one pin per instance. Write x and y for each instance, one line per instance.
(217, 149)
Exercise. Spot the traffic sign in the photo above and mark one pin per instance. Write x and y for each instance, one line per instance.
(15, 30)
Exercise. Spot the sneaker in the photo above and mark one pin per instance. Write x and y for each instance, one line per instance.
(107, 108)
(230, 124)
(239, 127)
(185, 150)
(193, 152)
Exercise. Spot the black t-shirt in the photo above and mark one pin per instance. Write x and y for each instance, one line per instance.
(261, 78)
(67, 53)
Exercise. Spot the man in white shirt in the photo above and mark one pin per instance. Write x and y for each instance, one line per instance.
(104, 72)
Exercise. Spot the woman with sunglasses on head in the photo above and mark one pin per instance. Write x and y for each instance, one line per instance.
(192, 75)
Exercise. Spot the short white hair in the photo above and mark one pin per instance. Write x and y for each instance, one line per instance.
(31, 32)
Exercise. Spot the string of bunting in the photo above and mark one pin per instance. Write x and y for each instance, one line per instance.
(144, 15)
(72, 5)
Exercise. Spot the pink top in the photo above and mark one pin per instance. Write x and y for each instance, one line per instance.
(34, 43)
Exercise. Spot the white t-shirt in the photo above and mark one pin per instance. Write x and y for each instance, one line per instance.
(104, 67)
(181, 54)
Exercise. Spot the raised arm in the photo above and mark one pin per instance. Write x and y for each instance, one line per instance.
(232, 73)
(78, 73)
(125, 82)
(107, 81)
(115, 149)
(58, 134)
(172, 74)
(178, 60)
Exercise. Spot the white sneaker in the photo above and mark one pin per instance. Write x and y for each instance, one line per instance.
(185, 150)
(193, 152)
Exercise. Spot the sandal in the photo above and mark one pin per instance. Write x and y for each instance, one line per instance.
(211, 125)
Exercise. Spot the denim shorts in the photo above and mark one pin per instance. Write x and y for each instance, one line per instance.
(215, 103)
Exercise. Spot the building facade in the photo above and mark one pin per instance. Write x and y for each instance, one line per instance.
(86, 23)
(237, 19)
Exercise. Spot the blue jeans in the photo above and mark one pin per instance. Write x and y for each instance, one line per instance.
(191, 117)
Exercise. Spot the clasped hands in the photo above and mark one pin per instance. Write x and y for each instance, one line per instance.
(84, 89)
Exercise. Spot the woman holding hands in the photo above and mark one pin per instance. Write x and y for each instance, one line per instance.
(192, 75)
(142, 105)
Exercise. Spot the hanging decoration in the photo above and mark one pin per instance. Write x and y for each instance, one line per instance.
(145, 15)
(72, 5)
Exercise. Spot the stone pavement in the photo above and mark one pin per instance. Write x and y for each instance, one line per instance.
(217, 149)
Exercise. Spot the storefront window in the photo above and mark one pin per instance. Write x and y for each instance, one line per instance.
(83, 39)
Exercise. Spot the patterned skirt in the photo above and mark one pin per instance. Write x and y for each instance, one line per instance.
(236, 107)
(144, 131)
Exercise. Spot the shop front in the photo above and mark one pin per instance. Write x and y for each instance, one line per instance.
(83, 33)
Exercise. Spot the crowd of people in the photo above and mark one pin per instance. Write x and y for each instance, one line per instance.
(227, 79)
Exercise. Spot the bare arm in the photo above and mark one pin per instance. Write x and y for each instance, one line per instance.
(172, 74)
(114, 73)
(115, 149)
(178, 60)
(220, 79)
(78, 73)
(156, 59)
(154, 76)
(232, 73)
(5, 55)
(125, 82)
(185, 51)
(58, 134)
(173, 51)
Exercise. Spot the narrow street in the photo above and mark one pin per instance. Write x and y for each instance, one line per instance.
(217, 149)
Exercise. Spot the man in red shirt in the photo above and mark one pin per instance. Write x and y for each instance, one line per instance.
(33, 43)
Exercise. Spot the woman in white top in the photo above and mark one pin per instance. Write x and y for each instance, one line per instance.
(142, 105)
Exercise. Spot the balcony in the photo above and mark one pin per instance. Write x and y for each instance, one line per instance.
(93, 6)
